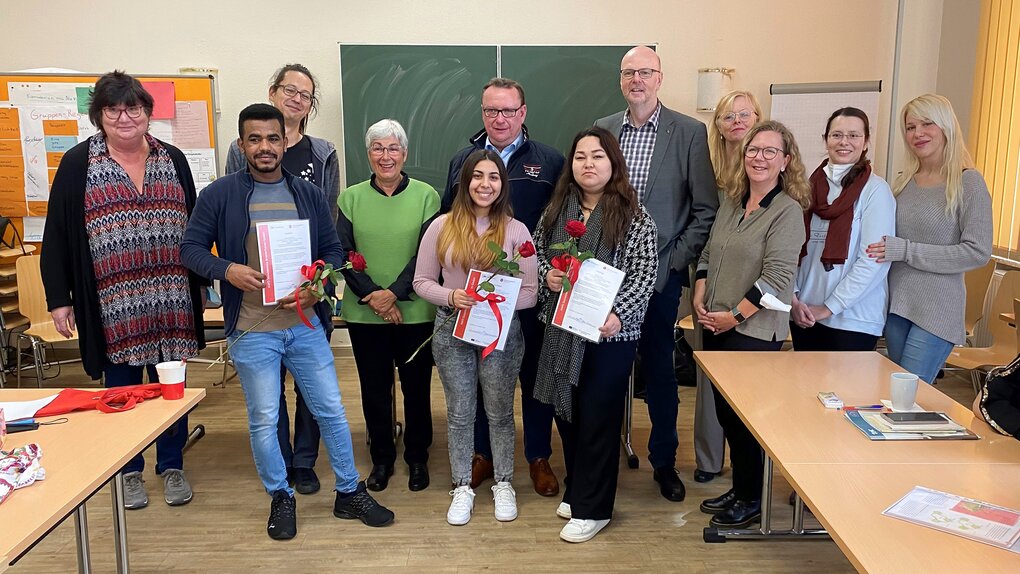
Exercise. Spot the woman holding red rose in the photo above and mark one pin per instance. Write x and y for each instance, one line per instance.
(454, 244)
(384, 219)
(595, 206)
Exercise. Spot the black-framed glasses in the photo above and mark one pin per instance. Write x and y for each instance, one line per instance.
(643, 73)
(290, 90)
(732, 117)
(113, 113)
(766, 152)
(380, 150)
(493, 112)
(838, 136)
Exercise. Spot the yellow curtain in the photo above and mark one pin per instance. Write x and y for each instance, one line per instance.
(995, 119)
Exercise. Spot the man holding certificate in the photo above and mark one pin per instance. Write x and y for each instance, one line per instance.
(229, 213)
(595, 206)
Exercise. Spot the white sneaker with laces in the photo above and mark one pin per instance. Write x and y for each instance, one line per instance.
(505, 497)
(581, 530)
(563, 511)
(462, 506)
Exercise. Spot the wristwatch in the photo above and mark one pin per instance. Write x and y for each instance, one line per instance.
(738, 315)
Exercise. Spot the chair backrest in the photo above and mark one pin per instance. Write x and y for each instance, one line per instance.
(1009, 289)
(31, 296)
(1016, 322)
(977, 281)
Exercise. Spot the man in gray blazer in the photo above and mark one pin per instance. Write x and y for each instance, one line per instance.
(668, 164)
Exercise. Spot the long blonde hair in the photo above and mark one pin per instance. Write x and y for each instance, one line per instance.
(458, 237)
(793, 180)
(721, 163)
(955, 157)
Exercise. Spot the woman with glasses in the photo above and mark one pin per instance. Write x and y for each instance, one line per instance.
(943, 230)
(111, 262)
(745, 275)
(841, 294)
(294, 92)
(383, 219)
(735, 113)
(454, 244)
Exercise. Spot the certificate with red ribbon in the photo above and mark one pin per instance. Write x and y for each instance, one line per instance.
(586, 306)
(284, 247)
(487, 324)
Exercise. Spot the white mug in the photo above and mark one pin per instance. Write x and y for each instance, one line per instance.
(903, 389)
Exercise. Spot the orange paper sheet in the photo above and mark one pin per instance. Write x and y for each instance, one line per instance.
(60, 128)
(9, 126)
(10, 147)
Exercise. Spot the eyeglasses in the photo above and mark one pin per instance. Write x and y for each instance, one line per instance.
(643, 73)
(766, 152)
(382, 150)
(837, 136)
(493, 112)
(732, 117)
(290, 90)
(133, 112)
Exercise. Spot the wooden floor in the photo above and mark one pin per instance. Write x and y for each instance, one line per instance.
(223, 529)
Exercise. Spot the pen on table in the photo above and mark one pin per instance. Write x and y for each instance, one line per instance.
(865, 408)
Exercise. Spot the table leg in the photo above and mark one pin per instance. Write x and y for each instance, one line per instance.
(120, 524)
(81, 535)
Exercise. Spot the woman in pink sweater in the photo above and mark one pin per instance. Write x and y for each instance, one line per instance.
(454, 244)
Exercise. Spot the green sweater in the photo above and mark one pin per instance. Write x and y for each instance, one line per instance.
(386, 230)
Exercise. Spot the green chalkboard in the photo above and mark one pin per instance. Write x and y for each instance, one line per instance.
(435, 93)
(568, 87)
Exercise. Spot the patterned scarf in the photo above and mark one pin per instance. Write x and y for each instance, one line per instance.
(134, 239)
(559, 365)
(840, 214)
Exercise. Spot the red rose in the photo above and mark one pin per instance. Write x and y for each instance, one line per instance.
(576, 228)
(527, 249)
(357, 261)
(561, 262)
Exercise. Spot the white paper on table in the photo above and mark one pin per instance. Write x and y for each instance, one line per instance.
(203, 166)
(585, 308)
(974, 519)
(478, 325)
(33, 229)
(18, 410)
(284, 246)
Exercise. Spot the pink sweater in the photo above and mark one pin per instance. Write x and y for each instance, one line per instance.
(427, 270)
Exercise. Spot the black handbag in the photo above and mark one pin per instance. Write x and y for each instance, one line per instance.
(1000, 399)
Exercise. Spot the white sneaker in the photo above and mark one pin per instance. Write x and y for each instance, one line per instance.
(563, 511)
(462, 506)
(581, 530)
(506, 501)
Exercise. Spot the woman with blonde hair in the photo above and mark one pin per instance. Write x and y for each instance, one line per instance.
(735, 113)
(750, 259)
(454, 244)
(943, 229)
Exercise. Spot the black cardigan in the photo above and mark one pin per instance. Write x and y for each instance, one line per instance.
(67, 271)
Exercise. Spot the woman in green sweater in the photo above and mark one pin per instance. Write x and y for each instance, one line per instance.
(383, 219)
(745, 274)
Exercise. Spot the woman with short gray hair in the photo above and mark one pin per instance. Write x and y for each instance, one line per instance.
(384, 218)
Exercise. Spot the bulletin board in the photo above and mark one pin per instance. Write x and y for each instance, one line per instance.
(44, 115)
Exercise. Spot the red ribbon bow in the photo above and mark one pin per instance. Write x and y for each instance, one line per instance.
(568, 264)
(494, 299)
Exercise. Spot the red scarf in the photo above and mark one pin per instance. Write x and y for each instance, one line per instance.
(840, 214)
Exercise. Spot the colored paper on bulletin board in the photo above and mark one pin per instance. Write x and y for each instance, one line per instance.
(10, 147)
(10, 127)
(60, 127)
(12, 186)
(163, 99)
(191, 126)
(84, 99)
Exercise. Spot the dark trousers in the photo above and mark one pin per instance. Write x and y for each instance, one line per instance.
(591, 442)
(746, 456)
(377, 349)
(306, 431)
(170, 444)
(537, 417)
(656, 364)
(823, 338)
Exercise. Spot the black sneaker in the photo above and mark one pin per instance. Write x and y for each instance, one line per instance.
(282, 516)
(360, 505)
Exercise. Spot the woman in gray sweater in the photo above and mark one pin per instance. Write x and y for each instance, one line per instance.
(751, 257)
(943, 229)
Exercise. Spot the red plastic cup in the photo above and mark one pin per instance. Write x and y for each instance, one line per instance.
(171, 379)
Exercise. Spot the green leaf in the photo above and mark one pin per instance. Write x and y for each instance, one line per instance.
(495, 248)
(513, 267)
(566, 284)
(585, 256)
(487, 286)
(563, 245)
(573, 250)
(334, 280)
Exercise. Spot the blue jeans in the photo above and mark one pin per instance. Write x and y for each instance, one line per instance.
(915, 349)
(306, 354)
(656, 351)
(170, 444)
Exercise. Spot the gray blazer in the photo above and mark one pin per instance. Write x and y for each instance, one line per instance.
(680, 195)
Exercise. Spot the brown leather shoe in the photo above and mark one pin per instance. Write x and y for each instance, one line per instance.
(543, 477)
(481, 470)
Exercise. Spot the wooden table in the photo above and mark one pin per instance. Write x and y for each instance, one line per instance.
(80, 457)
(830, 463)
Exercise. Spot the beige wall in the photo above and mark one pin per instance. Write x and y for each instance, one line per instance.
(780, 41)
